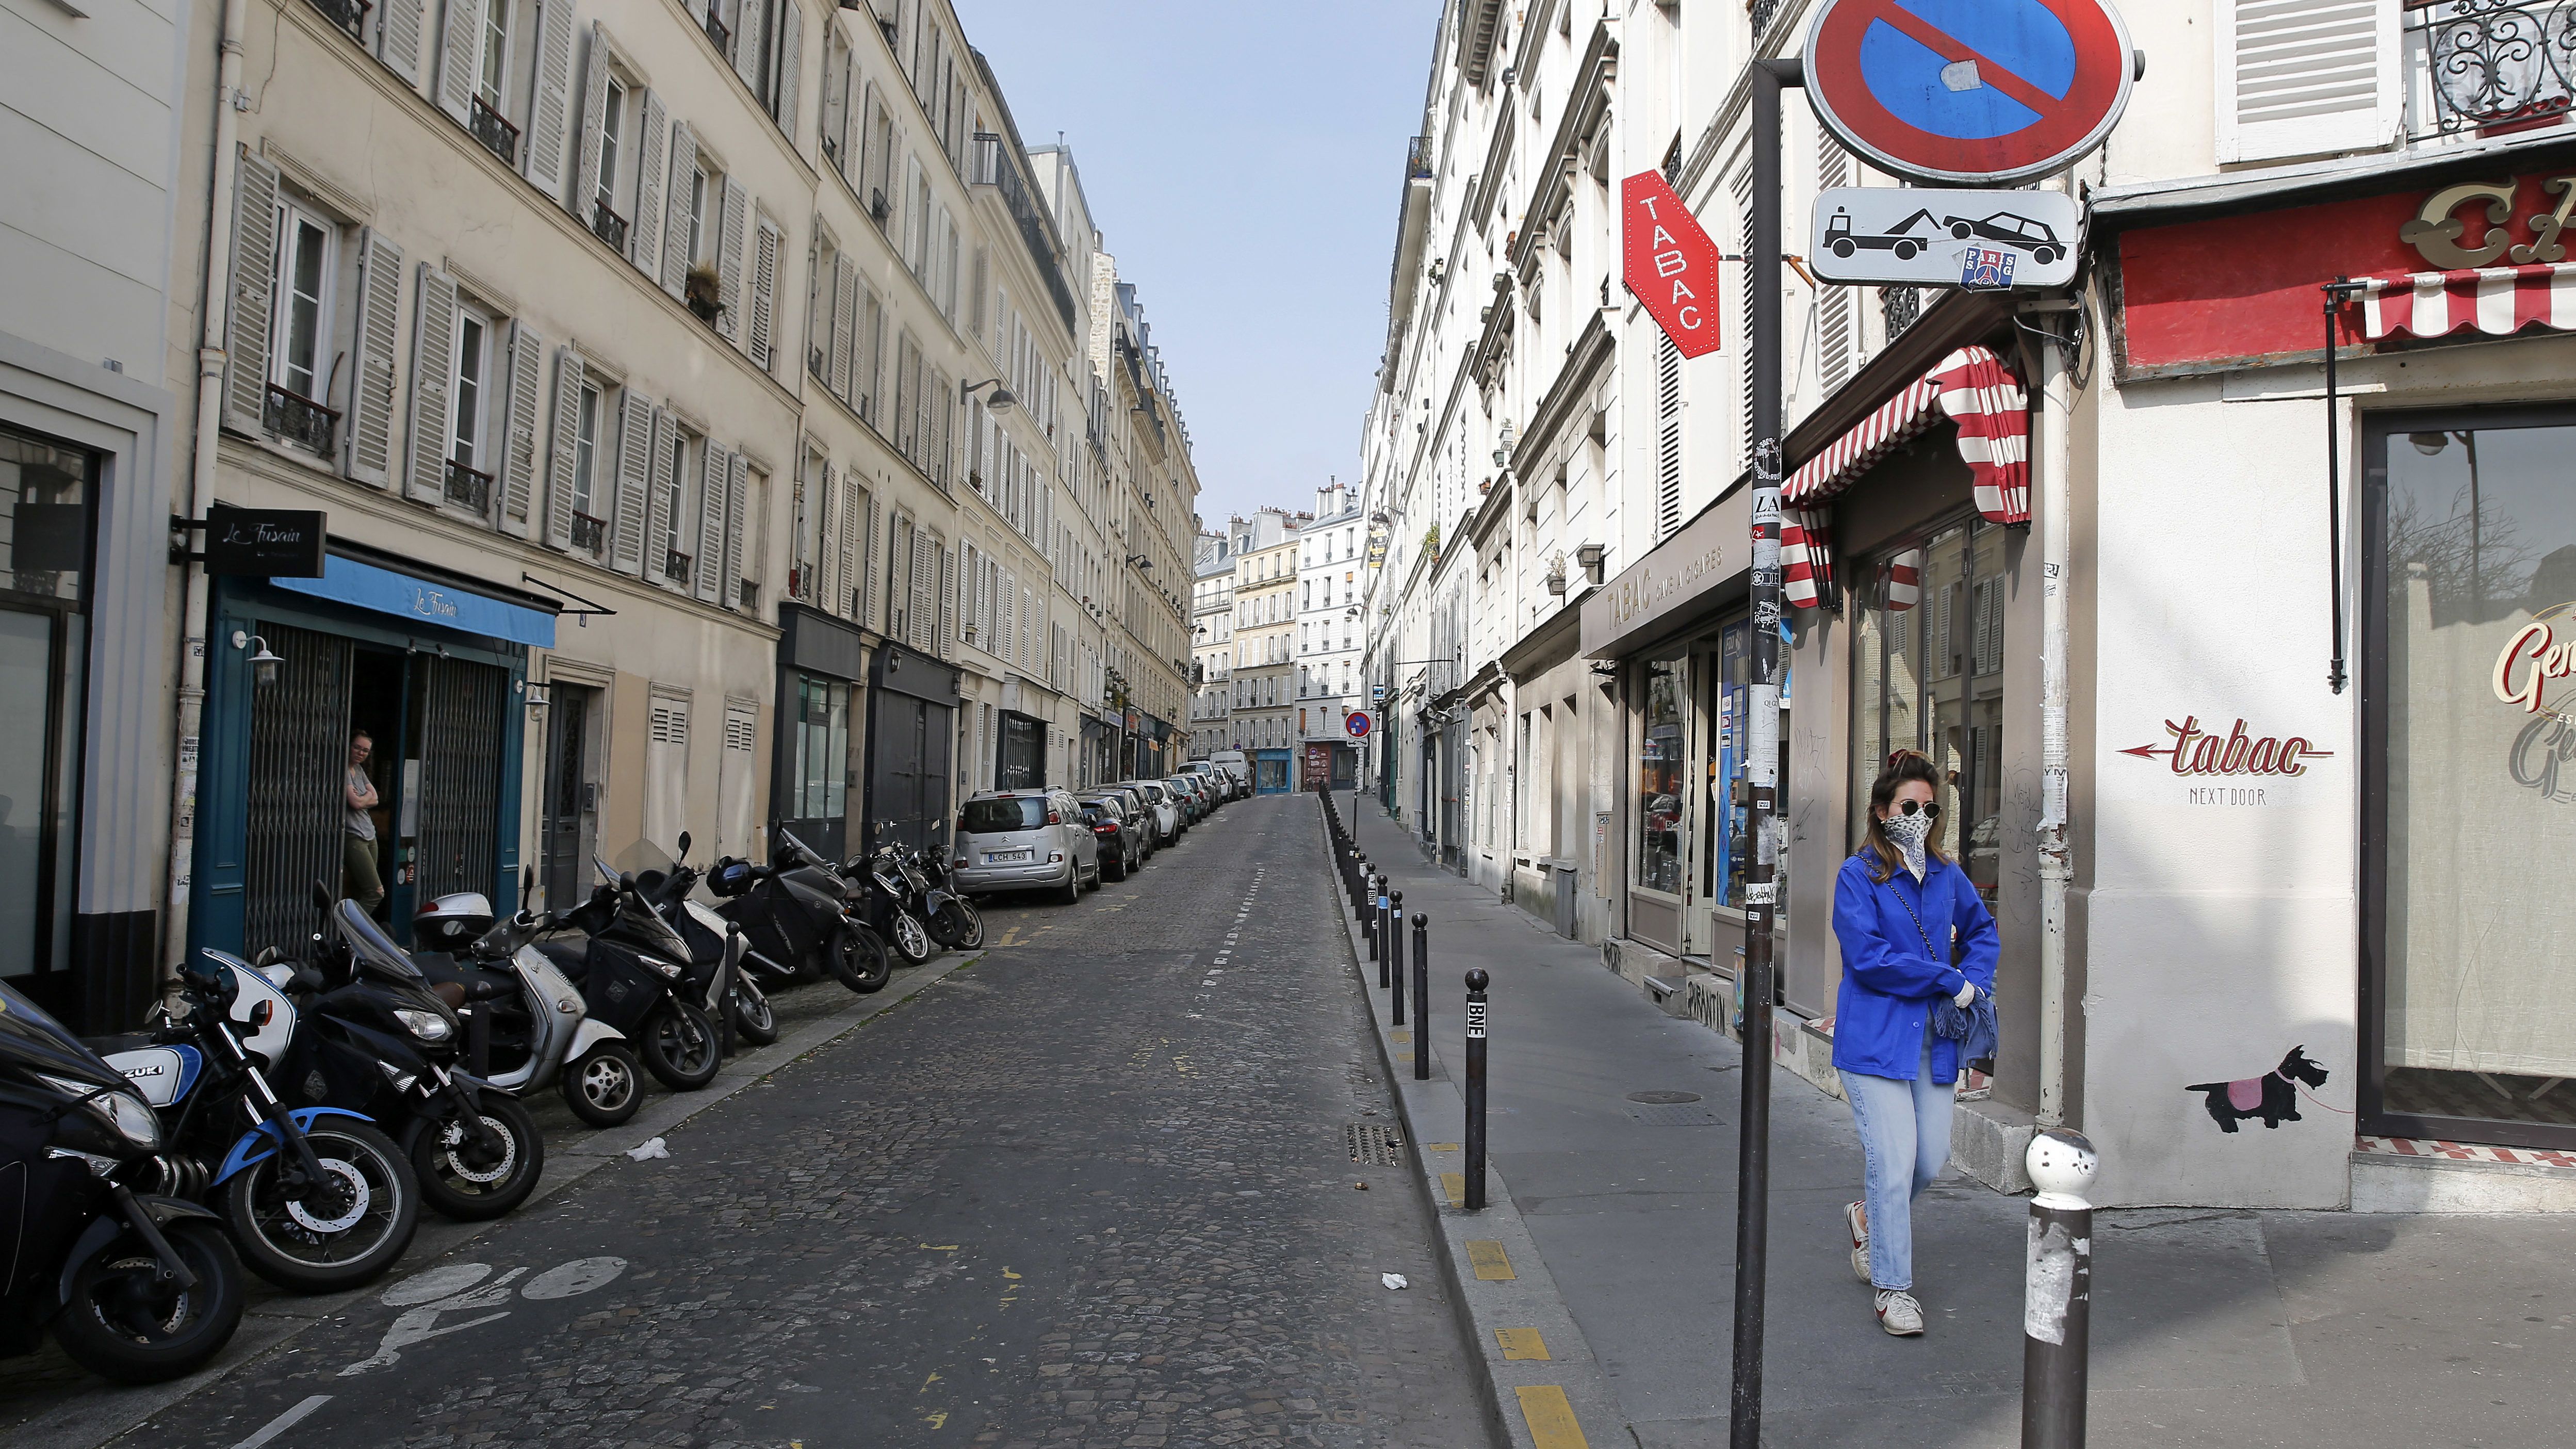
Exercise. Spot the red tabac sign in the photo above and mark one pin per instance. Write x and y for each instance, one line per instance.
(1671, 263)
(2196, 751)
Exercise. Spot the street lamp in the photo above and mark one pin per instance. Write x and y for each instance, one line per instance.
(1000, 401)
(263, 664)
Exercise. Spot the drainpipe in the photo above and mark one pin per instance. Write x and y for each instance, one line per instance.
(2055, 461)
(214, 307)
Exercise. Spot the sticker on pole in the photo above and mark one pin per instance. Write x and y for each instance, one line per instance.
(1969, 92)
(1670, 265)
(1357, 722)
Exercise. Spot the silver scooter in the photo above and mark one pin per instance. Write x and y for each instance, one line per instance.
(513, 998)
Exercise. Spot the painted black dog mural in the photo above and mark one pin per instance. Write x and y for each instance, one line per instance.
(2273, 1096)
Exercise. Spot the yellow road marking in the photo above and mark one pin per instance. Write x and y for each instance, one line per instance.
(1439, 1146)
(938, 1419)
(1400, 1038)
(940, 1247)
(1007, 1273)
(926, 1383)
(1455, 1185)
(1551, 1418)
(1521, 1343)
(1488, 1257)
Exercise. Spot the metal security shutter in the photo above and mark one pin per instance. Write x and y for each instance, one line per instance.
(398, 30)
(460, 777)
(737, 819)
(657, 501)
(706, 573)
(675, 223)
(634, 472)
(519, 462)
(594, 125)
(433, 381)
(644, 233)
(460, 45)
(563, 450)
(2306, 77)
(371, 388)
(548, 116)
(764, 294)
(730, 241)
(737, 502)
(1668, 437)
(254, 275)
(299, 754)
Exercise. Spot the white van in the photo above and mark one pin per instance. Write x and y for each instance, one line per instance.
(1234, 763)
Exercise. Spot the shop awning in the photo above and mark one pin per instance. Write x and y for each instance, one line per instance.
(424, 601)
(2499, 301)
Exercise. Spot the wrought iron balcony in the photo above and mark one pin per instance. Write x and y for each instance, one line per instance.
(675, 567)
(291, 417)
(469, 488)
(1900, 306)
(2482, 66)
(818, 364)
(349, 15)
(1763, 11)
(495, 132)
(720, 33)
(588, 533)
(608, 226)
(748, 590)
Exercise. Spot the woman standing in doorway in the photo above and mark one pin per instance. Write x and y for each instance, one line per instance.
(361, 877)
(1913, 933)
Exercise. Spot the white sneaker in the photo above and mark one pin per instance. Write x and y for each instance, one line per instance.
(1856, 1218)
(1898, 1313)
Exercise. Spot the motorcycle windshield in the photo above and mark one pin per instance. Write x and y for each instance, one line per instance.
(638, 922)
(32, 1039)
(376, 951)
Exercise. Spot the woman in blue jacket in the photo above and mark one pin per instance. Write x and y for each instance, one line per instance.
(1904, 915)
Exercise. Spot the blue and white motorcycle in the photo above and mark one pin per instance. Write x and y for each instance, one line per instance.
(316, 1198)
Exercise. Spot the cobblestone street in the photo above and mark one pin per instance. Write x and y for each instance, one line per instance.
(1096, 1189)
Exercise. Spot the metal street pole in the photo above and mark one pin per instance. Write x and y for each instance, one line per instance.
(1762, 765)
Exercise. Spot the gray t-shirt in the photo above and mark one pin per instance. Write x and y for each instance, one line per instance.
(359, 823)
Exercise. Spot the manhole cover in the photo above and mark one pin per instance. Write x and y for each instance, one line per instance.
(1663, 1098)
(1374, 1145)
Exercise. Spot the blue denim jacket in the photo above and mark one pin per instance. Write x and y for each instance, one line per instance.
(1889, 983)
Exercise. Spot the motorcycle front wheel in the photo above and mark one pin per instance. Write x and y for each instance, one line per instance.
(959, 926)
(680, 1047)
(123, 1323)
(751, 1014)
(910, 941)
(606, 1086)
(857, 959)
(458, 1185)
(314, 1244)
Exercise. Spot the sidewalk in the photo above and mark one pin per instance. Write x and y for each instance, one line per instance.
(2210, 1326)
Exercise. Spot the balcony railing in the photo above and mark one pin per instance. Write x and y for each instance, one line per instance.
(748, 590)
(495, 132)
(608, 226)
(294, 418)
(2483, 66)
(588, 533)
(675, 567)
(469, 488)
(720, 33)
(349, 15)
(1763, 11)
(1900, 306)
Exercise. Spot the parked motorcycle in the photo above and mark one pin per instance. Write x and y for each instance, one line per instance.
(527, 1027)
(797, 914)
(717, 949)
(895, 893)
(951, 919)
(135, 1287)
(629, 966)
(316, 1198)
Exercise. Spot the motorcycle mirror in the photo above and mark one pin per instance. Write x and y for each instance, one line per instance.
(321, 896)
(684, 845)
(527, 881)
(626, 880)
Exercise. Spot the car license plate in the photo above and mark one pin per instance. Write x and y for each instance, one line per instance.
(1006, 857)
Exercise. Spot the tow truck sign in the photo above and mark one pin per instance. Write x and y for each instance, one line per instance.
(1941, 238)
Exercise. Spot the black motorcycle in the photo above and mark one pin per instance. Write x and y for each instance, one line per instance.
(135, 1287)
(894, 893)
(797, 916)
(951, 919)
(629, 966)
(718, 951)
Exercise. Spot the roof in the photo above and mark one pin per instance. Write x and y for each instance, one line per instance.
(2118, 208)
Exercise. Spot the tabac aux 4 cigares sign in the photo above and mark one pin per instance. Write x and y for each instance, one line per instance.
(1670, 265)
(2239, 754)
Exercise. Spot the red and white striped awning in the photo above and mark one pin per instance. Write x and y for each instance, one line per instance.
(1972, 388)
(2499, 301)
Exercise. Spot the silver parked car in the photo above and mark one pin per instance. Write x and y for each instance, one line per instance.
(1161, 809)
(1023, 840)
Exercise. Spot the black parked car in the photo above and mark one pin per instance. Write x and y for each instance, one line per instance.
(1122, 839)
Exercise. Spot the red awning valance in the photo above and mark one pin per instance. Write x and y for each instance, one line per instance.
(2499, 301)
(1972, 388)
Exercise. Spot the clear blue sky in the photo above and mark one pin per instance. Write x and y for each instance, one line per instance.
(1244, 163)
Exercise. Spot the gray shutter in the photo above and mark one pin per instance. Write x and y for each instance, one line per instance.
(947, 602)
(519, 461)
(433, 383)
(675, 224)
(737, 502)
(644, 233)
(764, 295)
(371, 388)
(868, 567)
(657, 497)
(853, 582)
(460, 46)
(746, 44)
(594, 122)
(791, 66)
(706, 570)
(398, 27)
(826, 562)
(547, 117)
(254, 277)
(563, 451)
(634, 473)
(845, 301)
(867, 365)
(735, 220)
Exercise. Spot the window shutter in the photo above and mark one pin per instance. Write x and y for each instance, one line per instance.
(830, 522)
(729, 259)
(791, 66)
(706, 573)
(1009, 635)
(746, 43)
(2306, 77)
(634, 472)
(1668, 437)
(398, 27)
(675, 225)
(737, 503)
(867, 610)
(518, 485)
(867, 357)
(947, 602)
(764, 295)
(921, 625)
(433, 380)
(594, 123)
(852, 583)
(644, 232)
(547, 117)
(564, 451)
(254, 280)
(657, 498)
(371, 390)
(460, 45)
(845, 306)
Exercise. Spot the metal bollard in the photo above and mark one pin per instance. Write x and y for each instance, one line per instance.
(1395, 955)
(1476, 983)
(2057, 1291)
(1377, 926)
(1421, 997)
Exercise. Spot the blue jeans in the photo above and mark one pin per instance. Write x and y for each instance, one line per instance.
(1905, 1138)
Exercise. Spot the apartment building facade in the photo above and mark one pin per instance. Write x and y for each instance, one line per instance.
(1328, 638)
(1265, 645)
(1212, 645)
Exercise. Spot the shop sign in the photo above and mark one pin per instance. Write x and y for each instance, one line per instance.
(1678, 574)
(1670, 265)
(265, 543)
(2239, 754)
(2437, 231)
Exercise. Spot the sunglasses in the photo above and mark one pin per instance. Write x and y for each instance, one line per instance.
(1912, 807)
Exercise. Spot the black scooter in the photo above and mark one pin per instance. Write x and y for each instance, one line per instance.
(716, 947)
(135, 1287)
(952, 919)
(798, 917)
(894, 895)
(629, 965)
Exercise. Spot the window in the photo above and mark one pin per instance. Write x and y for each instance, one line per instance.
(473, 364)
(1927, 656)
(492, 75)
(585, 452)
(677, 517)
(818, 772)
(699, 237)
(302, 324)
(612, 126)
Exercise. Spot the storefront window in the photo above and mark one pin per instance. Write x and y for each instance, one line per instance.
(1928, 651)
(1659, 781)
(2475, 728)
(44, 642)
(819, 773)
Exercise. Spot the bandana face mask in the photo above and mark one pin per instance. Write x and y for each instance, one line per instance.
(1909, 832)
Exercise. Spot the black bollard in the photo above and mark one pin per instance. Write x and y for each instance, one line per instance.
(2057, 1291)
(1395, 954)
(1421, 997)
(1476, 983)
(1377, 925)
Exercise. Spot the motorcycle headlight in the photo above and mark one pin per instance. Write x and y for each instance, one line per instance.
(124, 1110)
(427, 1025)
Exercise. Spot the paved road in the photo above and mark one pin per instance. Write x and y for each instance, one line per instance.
(1094, 1190)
